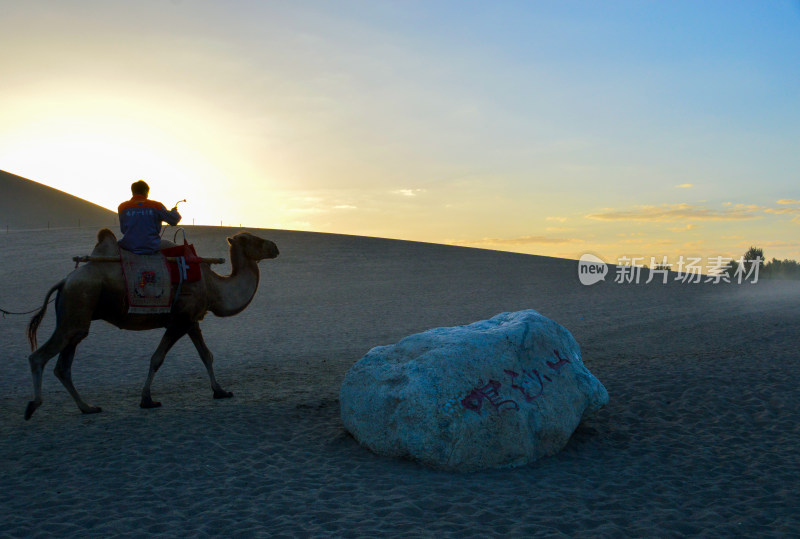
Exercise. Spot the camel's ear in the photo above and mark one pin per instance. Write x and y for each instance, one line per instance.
(230, 241)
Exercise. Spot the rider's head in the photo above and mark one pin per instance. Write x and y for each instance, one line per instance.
(140, 188)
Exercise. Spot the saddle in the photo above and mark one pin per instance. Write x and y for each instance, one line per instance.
(147, 282)
(153, 282)
(183, 263)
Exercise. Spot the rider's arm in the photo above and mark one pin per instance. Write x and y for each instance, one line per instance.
(170, 216)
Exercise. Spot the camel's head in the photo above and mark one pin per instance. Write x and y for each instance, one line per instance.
(253, 247)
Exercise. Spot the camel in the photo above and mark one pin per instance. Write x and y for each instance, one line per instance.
(96, 291)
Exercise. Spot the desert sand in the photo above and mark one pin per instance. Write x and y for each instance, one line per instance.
(700, 437)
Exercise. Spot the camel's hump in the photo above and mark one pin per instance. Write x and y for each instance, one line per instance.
(106, 243)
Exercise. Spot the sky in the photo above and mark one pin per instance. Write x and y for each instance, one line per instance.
(619, 128)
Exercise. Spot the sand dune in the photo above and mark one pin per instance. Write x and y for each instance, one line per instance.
(699, 439)
(25, 204)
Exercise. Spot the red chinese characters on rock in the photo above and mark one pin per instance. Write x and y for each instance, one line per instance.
(489, 393)
(527, 383)
(561, 362)
(530, 384)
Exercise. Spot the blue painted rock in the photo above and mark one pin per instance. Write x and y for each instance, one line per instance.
(497, 393)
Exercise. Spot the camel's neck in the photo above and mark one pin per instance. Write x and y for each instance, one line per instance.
(230, 295)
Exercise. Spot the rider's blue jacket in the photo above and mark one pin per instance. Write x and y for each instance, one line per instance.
(140, 220)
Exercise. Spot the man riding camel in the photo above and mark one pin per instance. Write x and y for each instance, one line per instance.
(140, 220)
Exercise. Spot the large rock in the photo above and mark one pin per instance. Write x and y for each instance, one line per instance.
(496, 393)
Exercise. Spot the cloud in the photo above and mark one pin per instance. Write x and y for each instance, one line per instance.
(318, 205)
(788, 201)
(559, 219)
(408, 192)
(307, 210)
(308, 198)
(684, 186)
(782, 210)
(786, 211)
(676, 212)
(522, 240)
(686, 228)
(777, 244)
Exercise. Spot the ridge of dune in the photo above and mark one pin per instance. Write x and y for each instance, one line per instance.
(26, 204)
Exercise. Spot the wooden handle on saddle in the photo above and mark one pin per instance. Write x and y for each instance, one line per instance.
(117, 259)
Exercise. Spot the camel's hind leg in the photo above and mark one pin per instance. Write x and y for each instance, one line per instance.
(208, 360)
(173, 334)
(38, 359)
(63, 372)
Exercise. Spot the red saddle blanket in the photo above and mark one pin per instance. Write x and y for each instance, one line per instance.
(187, 266)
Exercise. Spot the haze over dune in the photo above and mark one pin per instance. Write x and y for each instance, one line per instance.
(25, 204)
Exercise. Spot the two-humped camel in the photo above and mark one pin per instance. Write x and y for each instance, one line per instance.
(96, 291)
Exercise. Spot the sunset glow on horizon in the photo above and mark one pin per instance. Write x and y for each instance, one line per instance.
(551, 128)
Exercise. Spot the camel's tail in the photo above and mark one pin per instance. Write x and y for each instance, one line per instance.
(33, 325)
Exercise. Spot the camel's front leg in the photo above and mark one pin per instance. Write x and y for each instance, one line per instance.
(172, 336)
(208, 360)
